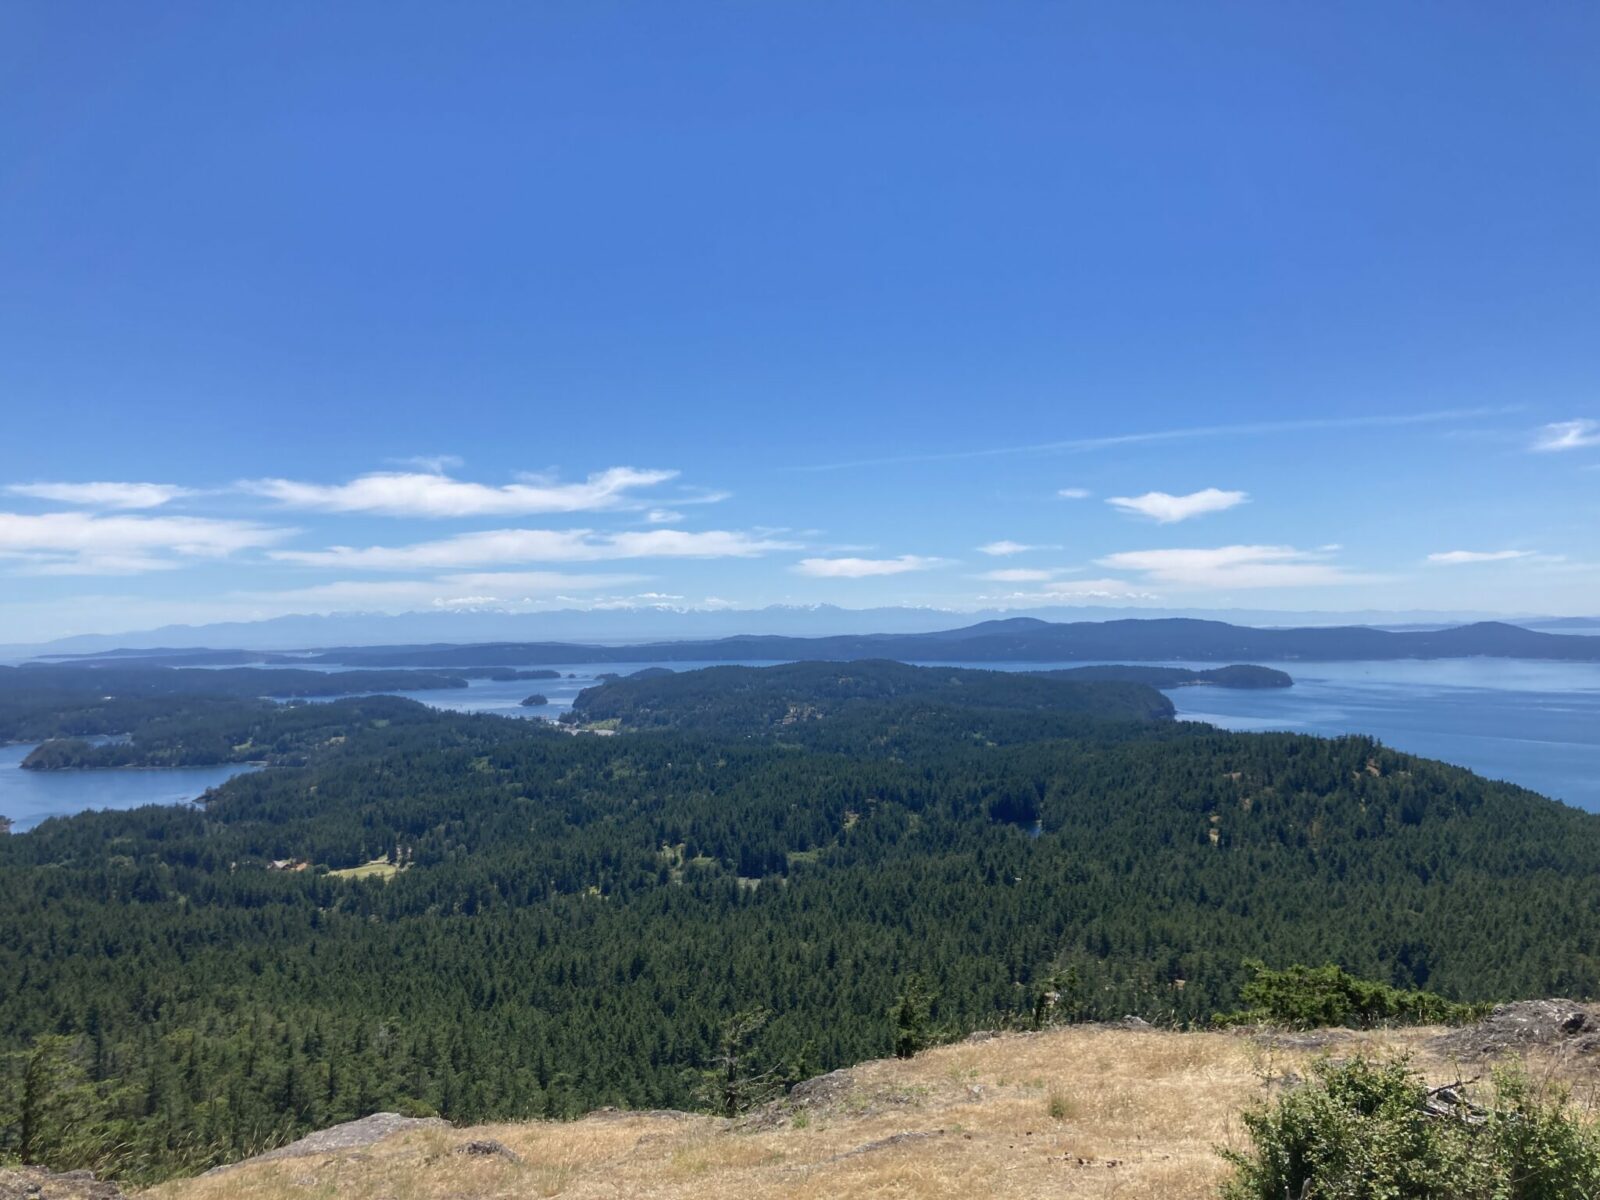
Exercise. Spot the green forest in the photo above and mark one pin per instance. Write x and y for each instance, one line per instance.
(546, 921)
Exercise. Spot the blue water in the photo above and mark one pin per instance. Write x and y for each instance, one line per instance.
(1532, 723)
(28, 797)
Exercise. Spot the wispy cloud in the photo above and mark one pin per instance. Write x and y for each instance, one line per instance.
(434, 464)
(1246, 429)
(103, 494)
(1166, 508)
(1003, 548)
(1074, 493)
(1234, 567)
(427, 494)
(1457, 557)
(504, 546)
(864, 568)
(1075, 591)
(1017, 575)
(1568, 435)
(455, 590)
(89, 544)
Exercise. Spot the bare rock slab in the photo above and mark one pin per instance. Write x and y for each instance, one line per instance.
(352, 1135)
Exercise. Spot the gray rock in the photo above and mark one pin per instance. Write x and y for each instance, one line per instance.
(350, 1136)
(35, 1183)
(1520, 1026)
(823, 1089)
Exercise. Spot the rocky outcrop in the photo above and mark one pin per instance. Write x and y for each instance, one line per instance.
(1524, 1025)
(349, 1136)
(35, 1183)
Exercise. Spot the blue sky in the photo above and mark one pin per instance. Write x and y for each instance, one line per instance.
(408, 306)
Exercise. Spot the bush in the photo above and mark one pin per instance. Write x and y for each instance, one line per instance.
(1367, 1131)
(1316, 997)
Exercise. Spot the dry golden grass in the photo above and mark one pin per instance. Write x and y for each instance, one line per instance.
(1084, 1112)
(380, 868)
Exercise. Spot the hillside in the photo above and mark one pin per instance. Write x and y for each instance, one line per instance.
(496, 919)
(1087, 1111)
(551, 923)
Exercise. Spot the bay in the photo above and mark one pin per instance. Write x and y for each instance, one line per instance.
(28, 797)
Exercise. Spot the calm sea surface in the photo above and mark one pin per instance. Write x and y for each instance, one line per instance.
(1532, 723)
(28, 797)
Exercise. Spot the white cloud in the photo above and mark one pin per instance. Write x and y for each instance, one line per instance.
(477, 589)
(1233, 567)
(90, 544)
(103, 494)
(1166, 508)
(1002, 548)
(430, 494)
(862, 568)
(496, 546)
(701, 496)
(1568, 435)
(1017, 575)
(1454, 557)
(1068, 591)
(663, 516)
(1074, 493)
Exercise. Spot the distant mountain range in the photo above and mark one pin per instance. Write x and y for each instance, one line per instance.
(664, 623)
(1011, 640)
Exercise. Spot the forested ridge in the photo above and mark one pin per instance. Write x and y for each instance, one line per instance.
(571, 920)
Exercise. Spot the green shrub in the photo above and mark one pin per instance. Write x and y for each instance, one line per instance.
(1315, 997)
(1367, 1131)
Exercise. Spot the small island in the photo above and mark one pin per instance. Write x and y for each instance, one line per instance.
(1238, 676)
(535, 701)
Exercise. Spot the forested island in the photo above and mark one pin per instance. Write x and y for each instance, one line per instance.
(744, 700)
(40, 701)
(1237, 676)
(490, 918)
